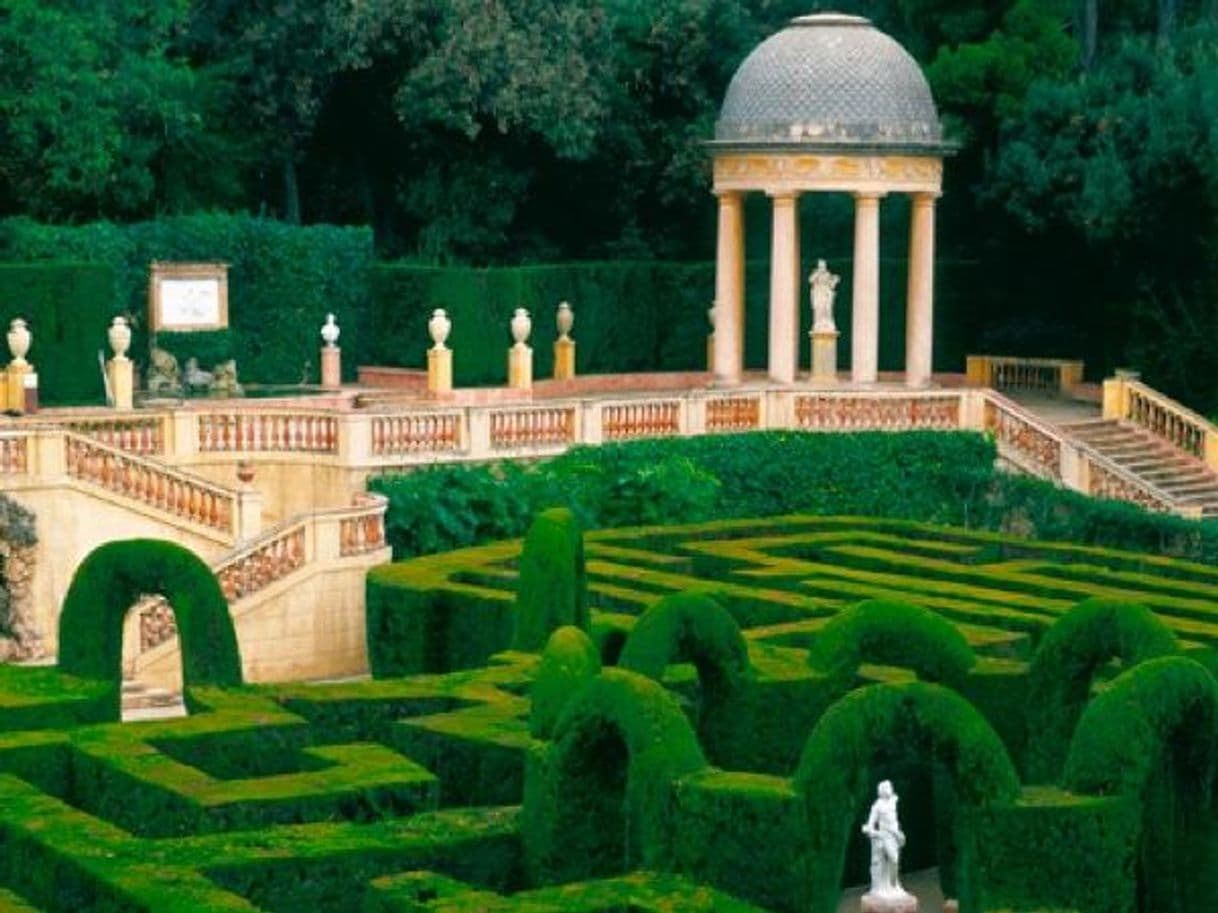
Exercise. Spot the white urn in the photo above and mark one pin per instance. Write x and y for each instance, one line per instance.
(439, 326)
(119, 335)
(522, 326)
(330, 331)
(565, 320)
(19, 339)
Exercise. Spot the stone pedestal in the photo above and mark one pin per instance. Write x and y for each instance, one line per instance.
(331, 367)
(21, 387)
(564, 359)
(520, 367)
(824, 356)
(121, 372)
(439, 371)
(888, 903)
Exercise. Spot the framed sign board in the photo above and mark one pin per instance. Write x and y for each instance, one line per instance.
(188, 296)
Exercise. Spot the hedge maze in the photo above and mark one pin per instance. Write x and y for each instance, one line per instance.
(688, 719)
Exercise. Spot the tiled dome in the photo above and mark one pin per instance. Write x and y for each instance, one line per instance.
(830, 81)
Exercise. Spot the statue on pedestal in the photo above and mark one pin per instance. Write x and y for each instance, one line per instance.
(884, 830)
(823, 284)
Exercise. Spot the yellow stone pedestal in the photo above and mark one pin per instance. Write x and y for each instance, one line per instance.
(564, 359)
(121, 372)
(520, 367)
(824, 356)
(21, 387)
(331, 367)
(439, 371)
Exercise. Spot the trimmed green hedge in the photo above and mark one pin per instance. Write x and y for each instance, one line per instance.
(112, 578)
(915, 719)
(569, 661)
(598, 798)
(68, 306)
(282, 281)
(551, 591)
(892, 634)
(1060, 677)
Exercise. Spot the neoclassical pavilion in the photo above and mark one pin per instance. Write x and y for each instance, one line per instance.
(830, 103)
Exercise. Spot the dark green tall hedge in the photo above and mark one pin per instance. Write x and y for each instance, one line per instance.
(112, 579)
(552, 589)
(282, 281)
(68, 306)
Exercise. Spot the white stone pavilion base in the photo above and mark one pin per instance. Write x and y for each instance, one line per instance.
(889, 903)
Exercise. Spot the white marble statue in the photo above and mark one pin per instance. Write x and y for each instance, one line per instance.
(884, 831)
(823, 284)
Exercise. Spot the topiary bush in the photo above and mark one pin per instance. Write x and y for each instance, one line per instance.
(1072, 651)
(891, 633)
(552, 588)
(113, 578)
(569, 661)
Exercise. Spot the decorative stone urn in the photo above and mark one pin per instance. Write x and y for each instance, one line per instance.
(330, 331)
(565, 320)
(19, 339)
(522, 326)
(439, 326)
(119, 335)
(245, 472)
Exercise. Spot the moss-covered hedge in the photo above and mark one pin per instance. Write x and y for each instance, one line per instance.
(112, 579)
(68, 306)
(551, 590)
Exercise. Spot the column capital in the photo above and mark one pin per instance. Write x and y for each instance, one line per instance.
(869, 196)
(925, 197)
(728, 195)
(783, 196)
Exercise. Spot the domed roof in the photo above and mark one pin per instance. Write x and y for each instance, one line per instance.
(829, 81)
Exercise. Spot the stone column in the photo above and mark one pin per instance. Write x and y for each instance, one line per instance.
(865, 344)
(729, 289)
(784, 289)
(919, 319)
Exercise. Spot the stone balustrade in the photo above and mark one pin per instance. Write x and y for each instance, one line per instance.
(540, 426)
(879, 411)
(143, 435)
(416, 432)
(1028, 443)
(1046, 375)
(14, 454)
(1127, 399)
(267, 432)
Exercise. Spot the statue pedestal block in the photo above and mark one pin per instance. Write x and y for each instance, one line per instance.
(331, 367)
(520, 367)
(122, 382)
(21, 387)
(824, 356)
(439, 371)
(888, 903)
(564, 359)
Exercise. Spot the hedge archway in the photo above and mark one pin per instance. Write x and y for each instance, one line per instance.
(891, 633)
(112, 578)
(598, 797)
(568, 662)
(1060, 676)
(924, 721)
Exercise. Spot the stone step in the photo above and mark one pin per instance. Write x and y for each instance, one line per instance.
(137, 696)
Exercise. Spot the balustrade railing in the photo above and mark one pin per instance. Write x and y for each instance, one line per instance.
(877, 411)
(14, 454)
(265, 560)
(532, 427)
(644, 418)
(733, 413)
(362, 530)
(417, 432)
(1166, 419)
(275, 432)
(1024, 440)
(1044, 375)
(143, 435)
(150, 483)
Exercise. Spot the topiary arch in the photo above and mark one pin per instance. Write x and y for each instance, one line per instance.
(912, 719)
(891, 633)
(112, 578)
(1086, 637)
(598, 797)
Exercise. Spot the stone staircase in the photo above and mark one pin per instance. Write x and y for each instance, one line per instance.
(1174, 472)
(140, 701)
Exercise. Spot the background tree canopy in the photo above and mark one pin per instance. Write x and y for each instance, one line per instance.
(502, 131)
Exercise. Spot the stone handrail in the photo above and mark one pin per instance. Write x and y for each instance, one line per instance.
(152, 483)
(1024, 440)
(1051, 375)
(416, 432)
(267, 431)
(1130, 400)
(533, 426)
(14, 454)
(340, 532)
(143, 434)
(879, 411)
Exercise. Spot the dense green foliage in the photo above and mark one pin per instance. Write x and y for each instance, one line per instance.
(112, 578)
(68, 306)
(551, 592)
(1062, 672)
(934, 477)
(569, 661)
(891, 634)
(283, 280)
